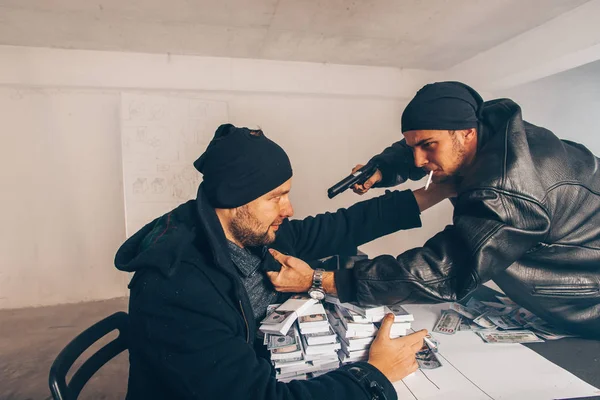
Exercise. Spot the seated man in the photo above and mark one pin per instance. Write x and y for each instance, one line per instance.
(199, 286)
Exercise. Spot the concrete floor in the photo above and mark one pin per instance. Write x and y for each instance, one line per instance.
(30, 339)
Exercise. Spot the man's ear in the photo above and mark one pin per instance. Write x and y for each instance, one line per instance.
(226, 214)
(470, 134)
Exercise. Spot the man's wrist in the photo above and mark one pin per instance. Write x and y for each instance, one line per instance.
(308, 284)
(329, 283)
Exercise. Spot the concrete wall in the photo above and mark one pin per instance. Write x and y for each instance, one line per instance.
(62, 200)
(567, 103)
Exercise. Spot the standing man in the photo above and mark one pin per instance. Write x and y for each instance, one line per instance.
(199, 288)
(527, 214)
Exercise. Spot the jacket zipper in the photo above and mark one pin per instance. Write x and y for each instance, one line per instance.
(564, 291)
(246, 322)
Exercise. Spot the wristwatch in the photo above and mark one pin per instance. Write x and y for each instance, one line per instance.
(316, 290)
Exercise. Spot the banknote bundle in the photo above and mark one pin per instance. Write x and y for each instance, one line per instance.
(323, 336)
(280, 319)
(496, 322)
(309, 349)
(357, 326)
(356, 334)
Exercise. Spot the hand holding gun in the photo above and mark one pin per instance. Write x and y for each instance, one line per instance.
(357, 178)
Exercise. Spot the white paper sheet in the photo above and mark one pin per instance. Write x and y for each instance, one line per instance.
(161, 137)
(473, 369)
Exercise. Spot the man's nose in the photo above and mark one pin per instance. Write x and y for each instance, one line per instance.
(420, 158)
(287, 211)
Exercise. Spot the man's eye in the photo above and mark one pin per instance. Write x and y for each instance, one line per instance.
(428, 145)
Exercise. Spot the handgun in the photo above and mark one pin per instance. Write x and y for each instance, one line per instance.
(359, 177)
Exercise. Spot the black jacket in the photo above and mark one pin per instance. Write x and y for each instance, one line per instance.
(192, 330)
(527, 216)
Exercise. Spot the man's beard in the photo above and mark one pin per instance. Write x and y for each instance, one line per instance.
(459, 160)
(247, 230)
(454, 175)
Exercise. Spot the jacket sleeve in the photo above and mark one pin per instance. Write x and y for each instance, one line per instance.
(199, 353)
(492, 229)
(397, 165)
(341, 232)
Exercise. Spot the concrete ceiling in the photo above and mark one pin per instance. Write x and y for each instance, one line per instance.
(422, 34)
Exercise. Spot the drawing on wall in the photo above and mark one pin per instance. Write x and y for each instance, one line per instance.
(156, 112)
(161, 137)
(135, 110)
(198, 110)
(185, 183)
(140, 186)
(158, 185)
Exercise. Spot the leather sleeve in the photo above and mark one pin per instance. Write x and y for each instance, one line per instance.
(342, 231)
(397, 165)
(492, 229)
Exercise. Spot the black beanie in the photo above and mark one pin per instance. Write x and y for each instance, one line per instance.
(443, 106)
(240, 165)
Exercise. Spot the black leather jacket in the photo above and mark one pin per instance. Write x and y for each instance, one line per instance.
(527, 217)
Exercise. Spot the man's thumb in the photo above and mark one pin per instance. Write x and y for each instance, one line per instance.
(386, 326)
(277, 255)
(358, 166)
(272, 275)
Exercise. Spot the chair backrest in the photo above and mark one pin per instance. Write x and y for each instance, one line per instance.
(63, 363)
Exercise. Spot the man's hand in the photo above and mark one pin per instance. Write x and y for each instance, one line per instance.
(295, 275)
(373, 179)
(395, 358)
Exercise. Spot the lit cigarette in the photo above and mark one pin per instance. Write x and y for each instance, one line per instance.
(428, 180)
(430, 343)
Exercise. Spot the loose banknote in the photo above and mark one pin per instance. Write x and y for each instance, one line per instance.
(448, 322)
(507, 301)
(503, 321)
(476, 305)
(426, 357)
(466, 325)
(493, 304)
(509, 337)
(484, 322)
(464, 311)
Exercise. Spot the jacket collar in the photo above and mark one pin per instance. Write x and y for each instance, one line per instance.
(213, 231)
(496, 114)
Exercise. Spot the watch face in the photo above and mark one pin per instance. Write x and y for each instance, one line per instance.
(316, 294)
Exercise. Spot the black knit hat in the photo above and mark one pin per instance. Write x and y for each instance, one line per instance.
(240, 165)
(443, 106)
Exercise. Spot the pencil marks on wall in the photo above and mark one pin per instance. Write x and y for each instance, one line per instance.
(161, 137)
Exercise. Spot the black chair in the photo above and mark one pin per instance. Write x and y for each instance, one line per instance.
(63, 363)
